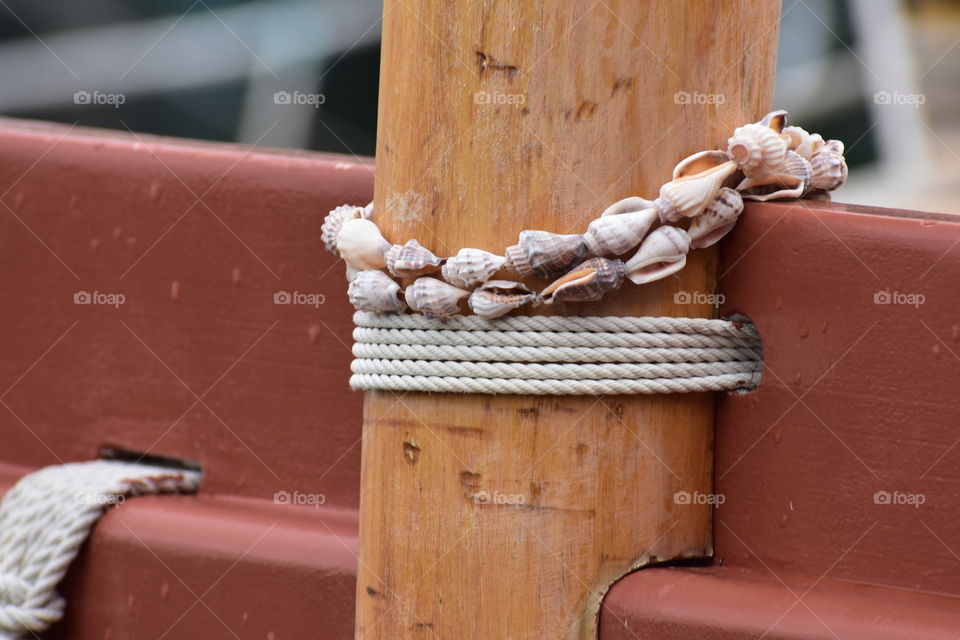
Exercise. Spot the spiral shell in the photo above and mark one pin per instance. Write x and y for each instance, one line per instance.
(663, 253)
(361, 244)
(411, 260)
(717, 219)
(790, 182)
(471, 267)
(375, 291)
(775, 120)
(829, 170)
(805, 144)
(757, 149)
(334, 220)
(545, 254)
(499, 297)
(627, 205)
(434, 298)
(696, 182)
(617, 234)
(587, 282)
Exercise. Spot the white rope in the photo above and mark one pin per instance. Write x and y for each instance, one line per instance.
(554, 355)
(45, 518)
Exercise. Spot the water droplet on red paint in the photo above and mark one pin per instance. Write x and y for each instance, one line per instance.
(244, 618)
(235, 276)
(783, 520)
(94, 243)
(74, 201)
(804, 331)
(936, 351)
(779, 302)
(164, 590)
(313, 332)
(17, 200)
(777, 436)
(955, 332)
(131, 240)
(175, 290)
(116, 233)
(154, 191)
(271, 636)
(928, 223)
(824, 326)
(130, 601)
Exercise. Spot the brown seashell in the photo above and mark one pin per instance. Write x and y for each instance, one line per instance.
(471, 267)
(499, 297)
(411, 260)
(617, 234)
(373, 290)
(717, 220)
(587, 282)
(662, 253)
(829, 170)
(627, 205)
(790, 182)
(361, 244)
(434, 298)
(545, 254)
(696, 182)
(757, 149)
(334, 220)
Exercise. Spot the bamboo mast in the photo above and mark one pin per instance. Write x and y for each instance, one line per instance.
(497, 117)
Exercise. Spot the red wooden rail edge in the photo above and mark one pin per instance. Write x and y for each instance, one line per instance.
(804, 481)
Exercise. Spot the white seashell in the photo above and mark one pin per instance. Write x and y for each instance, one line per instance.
(696, 182)
(352, 273)
(375, 291)
(334, 220)
(805, 144)
(664, 252)
(361, 244)
(757, 149)
(411, 260)
(775, 120)
(499, 297)
(717, 220)
(587, 282)
(790, 182)
(835, 146)
(434, 298)
(617, 234)
(368, 211)
(829, 170)
(545, 254)
(627, 205)
(471, 267)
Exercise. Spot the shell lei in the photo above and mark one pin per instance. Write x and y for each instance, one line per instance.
(763, 160)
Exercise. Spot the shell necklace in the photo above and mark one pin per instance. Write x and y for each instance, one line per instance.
(767, 160)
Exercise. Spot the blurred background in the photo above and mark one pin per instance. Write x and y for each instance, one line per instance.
(881, 75)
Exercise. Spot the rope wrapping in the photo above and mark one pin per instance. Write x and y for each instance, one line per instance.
(45, 518)
(554, 355)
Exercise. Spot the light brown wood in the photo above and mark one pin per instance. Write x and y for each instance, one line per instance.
(502, 116)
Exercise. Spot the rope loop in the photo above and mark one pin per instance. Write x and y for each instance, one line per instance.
(554, 355)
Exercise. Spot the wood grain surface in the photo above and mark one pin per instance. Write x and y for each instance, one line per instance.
(497, 117)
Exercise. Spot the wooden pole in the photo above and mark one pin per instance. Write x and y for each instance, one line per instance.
(497, 117)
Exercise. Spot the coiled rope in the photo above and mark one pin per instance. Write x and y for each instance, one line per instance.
(45, 518)
(554, 355)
